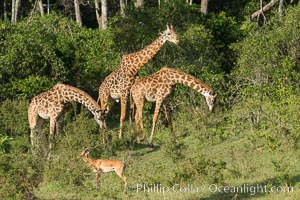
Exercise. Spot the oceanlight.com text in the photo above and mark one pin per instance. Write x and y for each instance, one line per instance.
(249, 189)
(213, 188)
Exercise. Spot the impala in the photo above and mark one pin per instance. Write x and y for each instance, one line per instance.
(104, 166)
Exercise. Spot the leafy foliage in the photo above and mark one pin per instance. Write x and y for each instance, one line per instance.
(5, 143)
(37, 55)
(252, 137)
(269, 60)
(13, 121)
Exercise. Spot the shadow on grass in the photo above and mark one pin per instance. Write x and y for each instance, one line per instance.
(140, 149)
(255, 190)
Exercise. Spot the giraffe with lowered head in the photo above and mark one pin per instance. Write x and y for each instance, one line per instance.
(51, 105)
(156, 87)
(117, 85)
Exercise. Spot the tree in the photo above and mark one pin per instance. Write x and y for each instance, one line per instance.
(204, 5)
(14, 10)
(122, 7)
(98, 16)
(4, 9)
(262, 9)
(104, 14)
(139, 3)
(40, 2)
(77, 12)
(280, 8)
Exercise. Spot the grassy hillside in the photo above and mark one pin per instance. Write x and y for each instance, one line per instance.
(193, 162)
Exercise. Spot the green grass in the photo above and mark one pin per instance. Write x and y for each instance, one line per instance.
(203, 152)
(233, 162)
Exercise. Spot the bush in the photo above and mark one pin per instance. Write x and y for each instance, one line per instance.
(35, 56)
(19, 175)
(269, 60)
(5, 145)
(14, 120)
(271, 124)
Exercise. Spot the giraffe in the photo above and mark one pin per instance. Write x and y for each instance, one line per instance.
(51, 105)
(117, 85)
(156, 87)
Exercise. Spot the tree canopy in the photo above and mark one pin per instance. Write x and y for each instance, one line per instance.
(252, 63)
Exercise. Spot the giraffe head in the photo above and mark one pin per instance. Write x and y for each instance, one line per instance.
(100, 117)
(169, 35)
(210, 99)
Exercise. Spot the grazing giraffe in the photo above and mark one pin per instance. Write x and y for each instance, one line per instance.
(51, 104)
(156, 87)
(117, 85)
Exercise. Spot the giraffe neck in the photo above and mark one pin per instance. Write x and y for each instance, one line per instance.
(70, 93)
(176, 76)
(140, 58)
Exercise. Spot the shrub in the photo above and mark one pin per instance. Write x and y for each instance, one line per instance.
(5, 145)
(269, 60)
(19, 175)
(14, 120)
(52, 48)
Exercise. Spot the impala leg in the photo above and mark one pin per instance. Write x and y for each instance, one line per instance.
(119, 172)
(98, 180)
(125, 183)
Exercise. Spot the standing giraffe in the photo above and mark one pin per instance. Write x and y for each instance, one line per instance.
(51, 104)
(117, 85)
(156, 87)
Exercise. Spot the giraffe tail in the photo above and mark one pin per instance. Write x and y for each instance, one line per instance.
(132, 111)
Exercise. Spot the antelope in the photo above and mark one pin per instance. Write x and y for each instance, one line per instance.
(104, 166)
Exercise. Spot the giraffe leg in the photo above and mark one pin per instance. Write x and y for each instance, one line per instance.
(167, 113)
(123, 113)
(155, 117)
(139, 116)
(35, 129)
(132, 112)
(36, 138)
(33, 120)
(58, 126)
(39, 125)
(35, 124)
(51, 136)
(131, 118)
(105, 107)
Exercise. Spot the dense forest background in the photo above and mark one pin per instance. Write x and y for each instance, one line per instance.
(247, 51)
